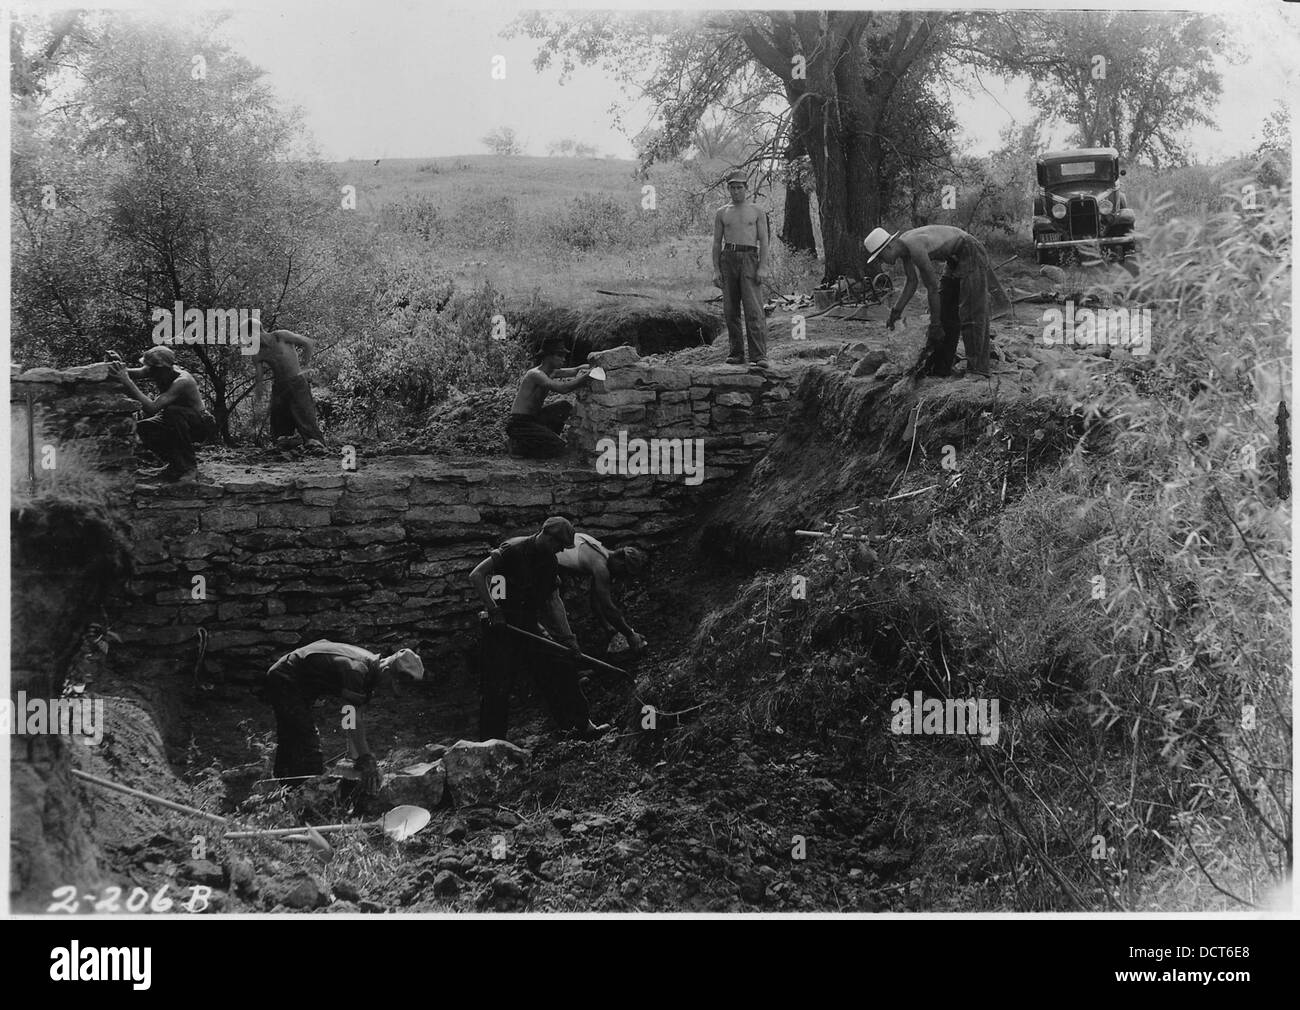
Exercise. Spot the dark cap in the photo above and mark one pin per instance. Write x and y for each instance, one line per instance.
(558, 526)
(158, 357)
(739, 177)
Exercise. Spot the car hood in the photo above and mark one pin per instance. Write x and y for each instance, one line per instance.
(1068, 190)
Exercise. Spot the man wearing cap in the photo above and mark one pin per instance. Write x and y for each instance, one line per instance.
(293, 411)
(518, 584)
(174, 420)
(959, 304)
(333, 670)
(589, 560)
(740, 250)
(534, 431)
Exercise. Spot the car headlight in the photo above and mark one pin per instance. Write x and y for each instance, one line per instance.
(1105, 206)
(1058, 210)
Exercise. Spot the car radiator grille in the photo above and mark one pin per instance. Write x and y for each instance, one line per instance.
(1082, 218)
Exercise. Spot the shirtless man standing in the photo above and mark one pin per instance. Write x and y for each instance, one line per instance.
(533, 431)
(740, 249)
(174, 420)
(959, 304)
(293, 412)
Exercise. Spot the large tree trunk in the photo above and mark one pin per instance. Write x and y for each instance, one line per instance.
(837, 106)
(797, 229)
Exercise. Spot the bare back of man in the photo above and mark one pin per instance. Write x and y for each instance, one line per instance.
(293, 412)
(180, 389)
(278, 352)
(532, 392)
(920, 248)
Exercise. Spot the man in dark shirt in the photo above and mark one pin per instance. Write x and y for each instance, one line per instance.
(333, 670)
(519, 586)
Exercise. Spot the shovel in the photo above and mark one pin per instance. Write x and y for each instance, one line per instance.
(399, 824)
(557, 647)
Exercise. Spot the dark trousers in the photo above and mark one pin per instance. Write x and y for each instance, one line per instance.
(172, 433)
(297, 741)
(293, 410)
(539, 437)
(503, 655)
(962, 312)
(741, 290)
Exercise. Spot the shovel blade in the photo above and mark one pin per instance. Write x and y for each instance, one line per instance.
(598, 374)
(401, 823)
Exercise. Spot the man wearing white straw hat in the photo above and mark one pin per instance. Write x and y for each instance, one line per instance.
(327, 669)
(959, 303)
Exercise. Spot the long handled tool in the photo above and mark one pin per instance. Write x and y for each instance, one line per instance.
(141, 794)
(597, 663)
(398, 824)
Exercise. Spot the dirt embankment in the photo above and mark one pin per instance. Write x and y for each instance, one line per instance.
(67, 557)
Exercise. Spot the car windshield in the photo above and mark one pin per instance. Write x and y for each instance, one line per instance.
(1089, 169)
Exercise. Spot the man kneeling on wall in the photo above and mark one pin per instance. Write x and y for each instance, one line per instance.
(535, 431)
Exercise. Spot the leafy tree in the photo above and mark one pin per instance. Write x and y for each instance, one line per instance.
(1160, 77)
(163, 172)
(503, 141)
(838, 72)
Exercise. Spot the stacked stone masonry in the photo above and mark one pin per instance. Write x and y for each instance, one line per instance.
(381, 555)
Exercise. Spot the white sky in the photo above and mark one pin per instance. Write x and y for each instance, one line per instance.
(397, 79)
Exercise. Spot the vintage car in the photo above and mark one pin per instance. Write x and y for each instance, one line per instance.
(1081, 212)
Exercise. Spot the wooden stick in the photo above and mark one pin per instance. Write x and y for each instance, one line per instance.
(140, 794)
(842, 536)
(594, 662)
(909, 494)
(280, 832)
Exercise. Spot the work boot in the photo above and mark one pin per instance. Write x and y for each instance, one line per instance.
(314, 445)
(735, 361)
(288, 441)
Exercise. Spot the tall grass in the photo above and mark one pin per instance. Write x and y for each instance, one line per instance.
(73, 475)
(1129, 606)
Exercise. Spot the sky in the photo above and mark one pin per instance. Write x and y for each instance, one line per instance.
(390, 79)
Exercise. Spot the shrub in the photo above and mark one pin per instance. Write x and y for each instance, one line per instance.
(590, 221)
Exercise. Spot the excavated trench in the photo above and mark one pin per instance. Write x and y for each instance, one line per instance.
(287, 553)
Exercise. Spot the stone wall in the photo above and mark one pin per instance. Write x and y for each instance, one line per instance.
(380, 555)
(76, 404)
(735, 410)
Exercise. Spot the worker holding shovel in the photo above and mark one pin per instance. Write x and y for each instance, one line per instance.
(519, 586)
(334, 670)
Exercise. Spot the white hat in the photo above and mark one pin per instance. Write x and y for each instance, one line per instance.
(407, 662)
(877, 240)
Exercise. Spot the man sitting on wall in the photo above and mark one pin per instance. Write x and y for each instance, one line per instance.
(174, 420)
(534, 431)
